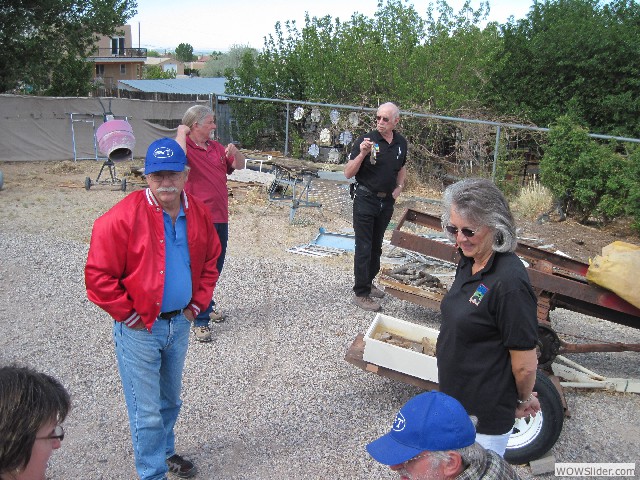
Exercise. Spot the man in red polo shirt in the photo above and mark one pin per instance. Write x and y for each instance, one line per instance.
(210, 162)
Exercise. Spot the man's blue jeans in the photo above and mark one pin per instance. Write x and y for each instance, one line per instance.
(202, 320)
(150, 366)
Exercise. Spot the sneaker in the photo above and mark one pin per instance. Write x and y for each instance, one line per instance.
(376, 292)
(203, 334)
(217, 316)
(181, 467)
(366, 303)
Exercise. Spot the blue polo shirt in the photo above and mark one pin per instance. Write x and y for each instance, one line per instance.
(177, 281)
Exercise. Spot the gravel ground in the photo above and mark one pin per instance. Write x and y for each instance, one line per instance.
(271, 397)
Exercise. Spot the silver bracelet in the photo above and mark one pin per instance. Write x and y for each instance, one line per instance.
(520, 402)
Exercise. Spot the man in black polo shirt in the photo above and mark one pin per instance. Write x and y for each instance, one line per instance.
(378, 163)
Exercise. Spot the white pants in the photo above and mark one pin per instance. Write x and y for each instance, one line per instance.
(497, 443)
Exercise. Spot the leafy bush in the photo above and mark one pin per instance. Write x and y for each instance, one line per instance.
(589, 178)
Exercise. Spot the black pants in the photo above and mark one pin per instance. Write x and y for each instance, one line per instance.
(371, 216)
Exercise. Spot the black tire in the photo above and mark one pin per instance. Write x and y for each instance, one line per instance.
(534, 436)
(87, 183)
(123, 185)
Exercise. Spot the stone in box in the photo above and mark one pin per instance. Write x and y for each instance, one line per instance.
(398, 358)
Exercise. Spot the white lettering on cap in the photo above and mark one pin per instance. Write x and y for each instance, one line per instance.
(163, 152)
(399, 423)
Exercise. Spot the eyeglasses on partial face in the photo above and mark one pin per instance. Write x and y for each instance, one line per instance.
(158, 177)
(58, 434)
(467, 232)
(384, 119)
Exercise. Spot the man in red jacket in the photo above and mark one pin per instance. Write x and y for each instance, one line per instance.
(152, 267)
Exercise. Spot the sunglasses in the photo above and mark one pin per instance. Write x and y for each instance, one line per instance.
(58, 434)
(384, 119)
(467, 232)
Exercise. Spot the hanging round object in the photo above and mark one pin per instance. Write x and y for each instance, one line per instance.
(354, 119)
(314, 150)
(345, 137)
(298, 113)
(334, 156)
(315, 115)
(325, 136)
(334, 116)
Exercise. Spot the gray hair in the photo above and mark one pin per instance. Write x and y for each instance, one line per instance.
(196, 114)
(480, 201)
(473, 454)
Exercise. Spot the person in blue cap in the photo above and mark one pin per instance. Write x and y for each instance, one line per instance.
(152, 268)
(433, 438)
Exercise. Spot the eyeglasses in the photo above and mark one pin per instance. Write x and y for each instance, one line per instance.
(159, 177)
(384, 119)
(465, 231)
(58, 434)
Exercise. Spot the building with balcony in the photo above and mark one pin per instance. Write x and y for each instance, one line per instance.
(115, 58)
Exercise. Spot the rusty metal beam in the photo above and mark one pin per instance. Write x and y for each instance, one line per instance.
(598, 347)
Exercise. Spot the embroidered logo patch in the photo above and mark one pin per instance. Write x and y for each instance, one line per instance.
(399, 423)
(478, 295)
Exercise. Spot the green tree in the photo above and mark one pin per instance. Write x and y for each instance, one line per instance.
(155, 72)
(396, 55)
(72, 78)
(221, 62)
(153, 54)
(184, 52)
(580, 56)
(40, 38)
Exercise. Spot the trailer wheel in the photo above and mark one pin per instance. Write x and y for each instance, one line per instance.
(534, 436)
(123, 185)
(87, 183)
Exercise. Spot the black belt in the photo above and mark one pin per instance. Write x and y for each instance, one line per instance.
(170, 315)
(377, 194)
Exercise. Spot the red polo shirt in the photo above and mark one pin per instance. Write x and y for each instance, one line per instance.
(208, 177)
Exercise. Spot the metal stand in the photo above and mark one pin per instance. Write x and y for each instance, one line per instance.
(89, 119)
(292, 185)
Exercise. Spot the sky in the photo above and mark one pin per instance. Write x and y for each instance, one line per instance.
(216, 25)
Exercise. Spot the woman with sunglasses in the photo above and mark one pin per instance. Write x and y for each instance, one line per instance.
(486, 348)
(32, 407)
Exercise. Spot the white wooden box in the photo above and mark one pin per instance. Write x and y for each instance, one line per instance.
(398, 358)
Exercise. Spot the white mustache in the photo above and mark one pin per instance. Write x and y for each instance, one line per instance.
(168, 189)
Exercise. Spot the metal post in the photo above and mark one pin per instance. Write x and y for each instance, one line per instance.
(286, 133)
(495, 153)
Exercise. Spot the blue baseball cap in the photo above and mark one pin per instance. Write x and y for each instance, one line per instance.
(164, 154)
(430, 421)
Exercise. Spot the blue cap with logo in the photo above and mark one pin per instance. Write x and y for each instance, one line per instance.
(430, 421)
(165, 154)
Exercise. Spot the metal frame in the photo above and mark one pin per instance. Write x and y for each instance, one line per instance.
(285, 184)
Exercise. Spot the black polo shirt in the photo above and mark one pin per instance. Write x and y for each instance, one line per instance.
(391, 157)
(483, 317)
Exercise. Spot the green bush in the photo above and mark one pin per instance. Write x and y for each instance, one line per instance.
(589, 178)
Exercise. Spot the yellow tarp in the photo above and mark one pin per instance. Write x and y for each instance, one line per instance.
(618, 270)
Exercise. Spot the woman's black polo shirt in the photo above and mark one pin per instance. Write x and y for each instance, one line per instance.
(483, 317)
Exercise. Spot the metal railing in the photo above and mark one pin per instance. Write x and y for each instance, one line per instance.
(119, 52)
